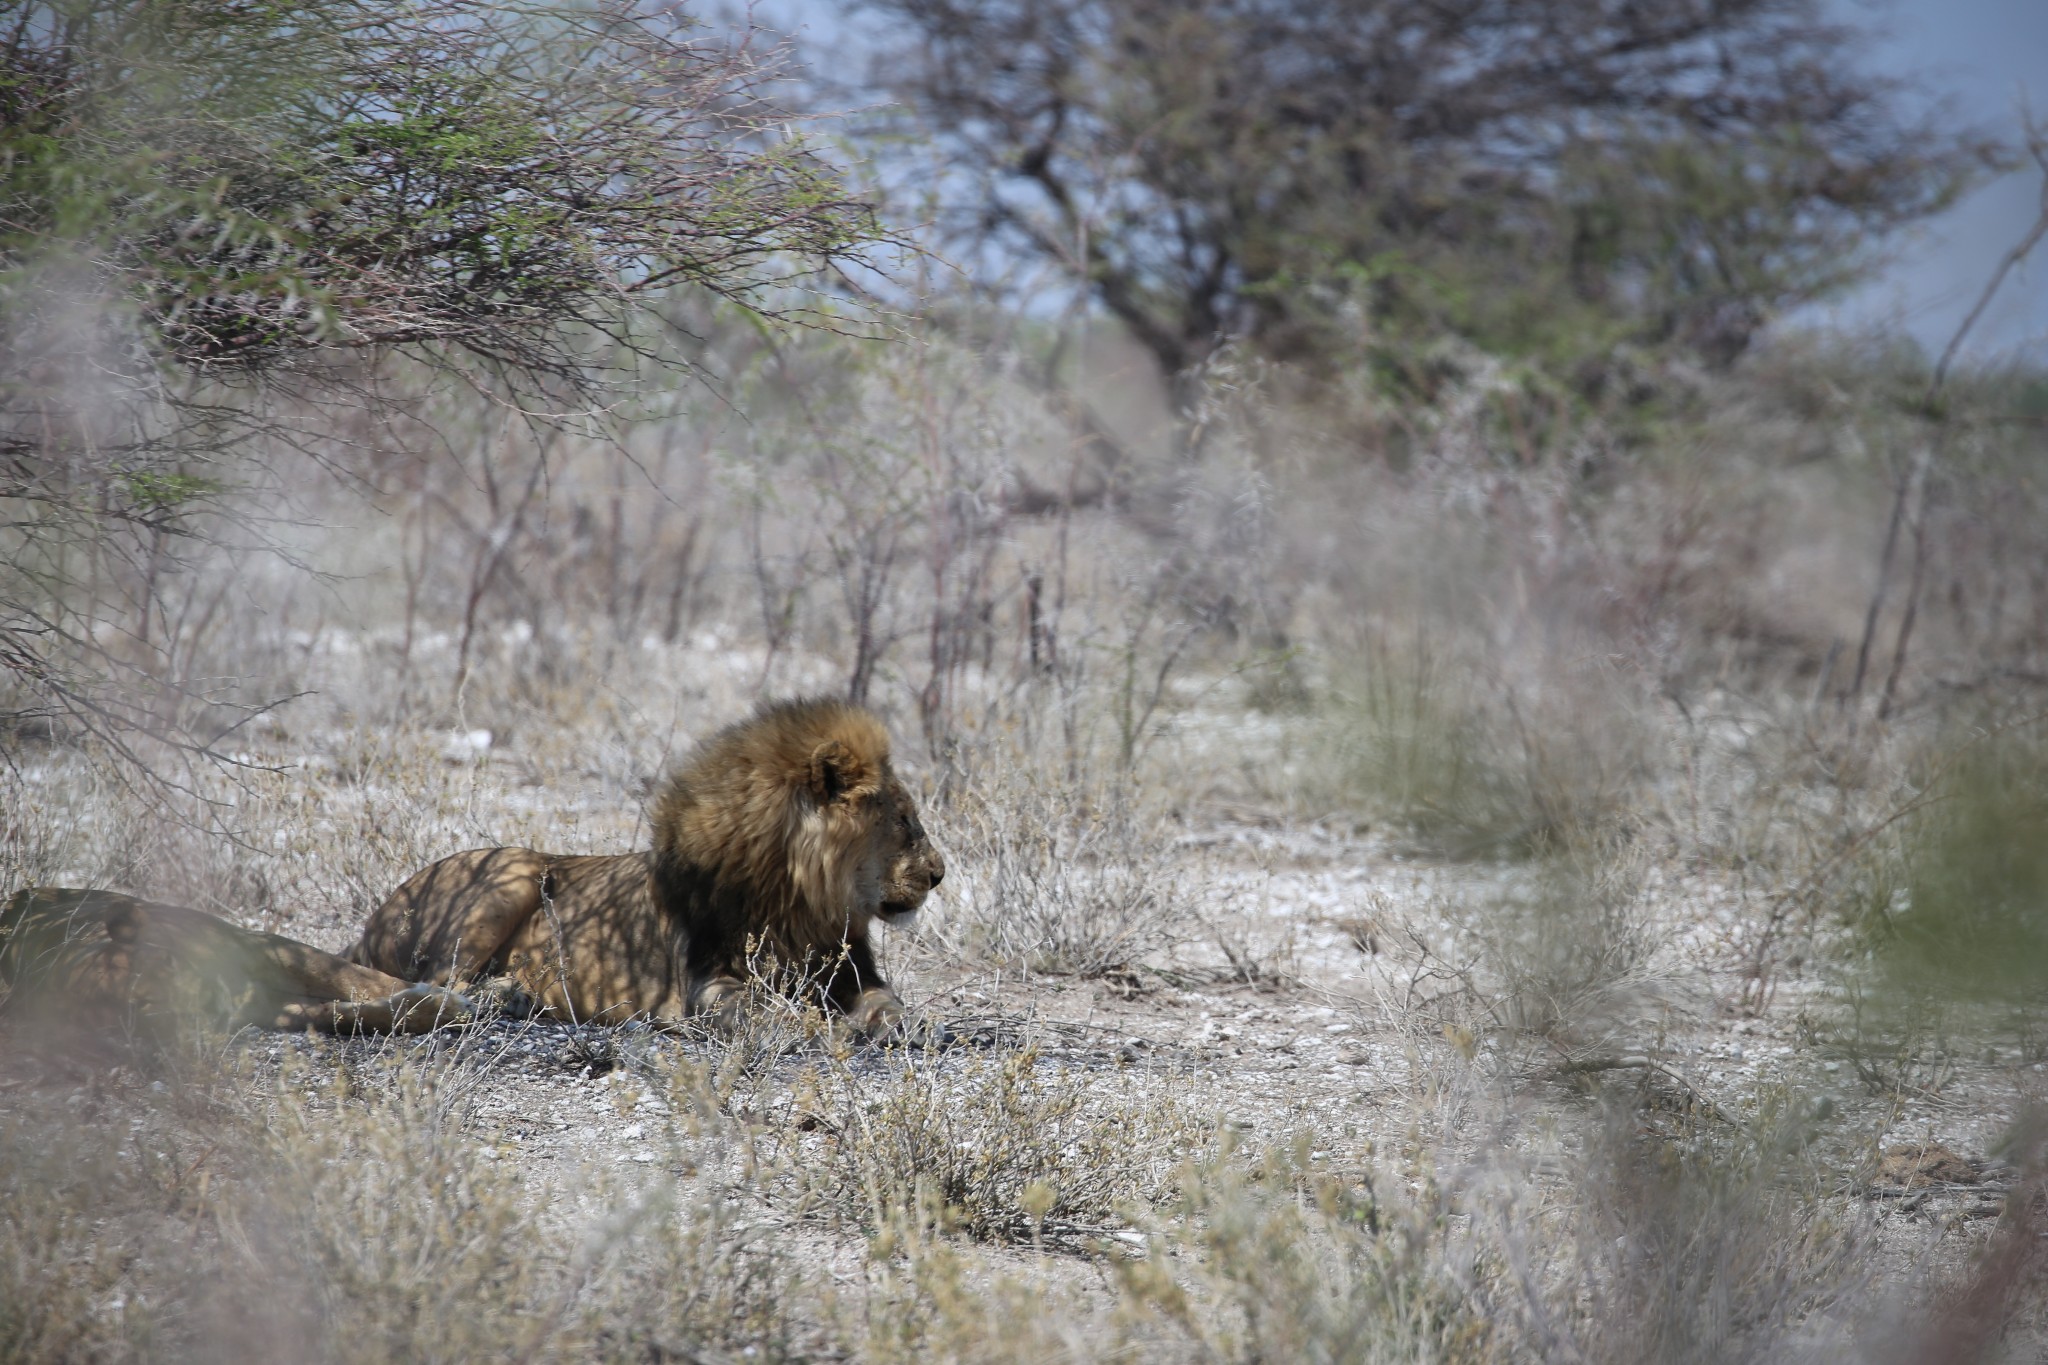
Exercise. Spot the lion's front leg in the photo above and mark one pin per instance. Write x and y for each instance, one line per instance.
(876, 1012)
(719, 996)
(855, 987)
(505, 995)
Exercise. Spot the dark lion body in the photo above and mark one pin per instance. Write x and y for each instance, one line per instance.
(788, 832)
(113, 961)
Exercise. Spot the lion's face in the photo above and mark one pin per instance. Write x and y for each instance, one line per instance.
(910, 866)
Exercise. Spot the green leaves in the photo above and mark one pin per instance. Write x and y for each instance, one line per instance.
(259, 183)
(157, 491)
(221, 222)
(1971, 926)
(1553, 177)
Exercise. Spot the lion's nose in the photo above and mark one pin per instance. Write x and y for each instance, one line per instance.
(938, 872)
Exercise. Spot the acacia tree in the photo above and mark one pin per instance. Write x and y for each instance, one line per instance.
(220, 223)
(1540, 176)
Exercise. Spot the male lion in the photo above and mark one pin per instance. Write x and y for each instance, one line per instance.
(788, 832)
(108, 960)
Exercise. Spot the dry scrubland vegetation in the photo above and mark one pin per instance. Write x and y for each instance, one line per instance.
(1477, 866)
(1445, 912)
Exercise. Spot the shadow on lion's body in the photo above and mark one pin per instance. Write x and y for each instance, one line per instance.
(784, 838)
(114, 963)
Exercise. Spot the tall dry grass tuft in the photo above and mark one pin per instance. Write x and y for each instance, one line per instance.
(1484, 756)
(1276, 1261)
(1724, 1253)
(84, 1210)
(1057, 878)
(311, 1213)
(1966, 918)
(1573, 947)
(1007, 1149)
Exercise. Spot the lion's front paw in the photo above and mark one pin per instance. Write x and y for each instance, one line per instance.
(505, 995)
(876, 1011)
(720, 1003)
(878, 1015)
(926, 1035)
(423, 1008)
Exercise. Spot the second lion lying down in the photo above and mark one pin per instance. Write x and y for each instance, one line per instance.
(788, 834)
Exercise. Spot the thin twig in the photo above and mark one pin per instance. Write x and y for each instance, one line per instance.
(1912, 611)
(1915, 478)
(2037, 147)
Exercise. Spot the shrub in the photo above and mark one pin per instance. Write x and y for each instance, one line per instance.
(1000, 1149)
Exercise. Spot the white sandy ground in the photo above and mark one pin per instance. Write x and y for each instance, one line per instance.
(1333, 1045)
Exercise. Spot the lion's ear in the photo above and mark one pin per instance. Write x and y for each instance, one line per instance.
(835, 771)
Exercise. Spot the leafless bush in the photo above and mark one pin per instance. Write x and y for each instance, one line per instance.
(1563, 955)
(1486, 756)
(1054, 880)
(38, 843)
(1572, 949)
(1675, 1256)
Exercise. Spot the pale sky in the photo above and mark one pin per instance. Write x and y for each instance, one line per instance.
(1986, 56)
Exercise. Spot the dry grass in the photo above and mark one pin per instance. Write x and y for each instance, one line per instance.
(1566, 1059)
(1482, 760)
(1005, 1148)
(1058, 879)
(305, 1214)
(1292, 1264)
